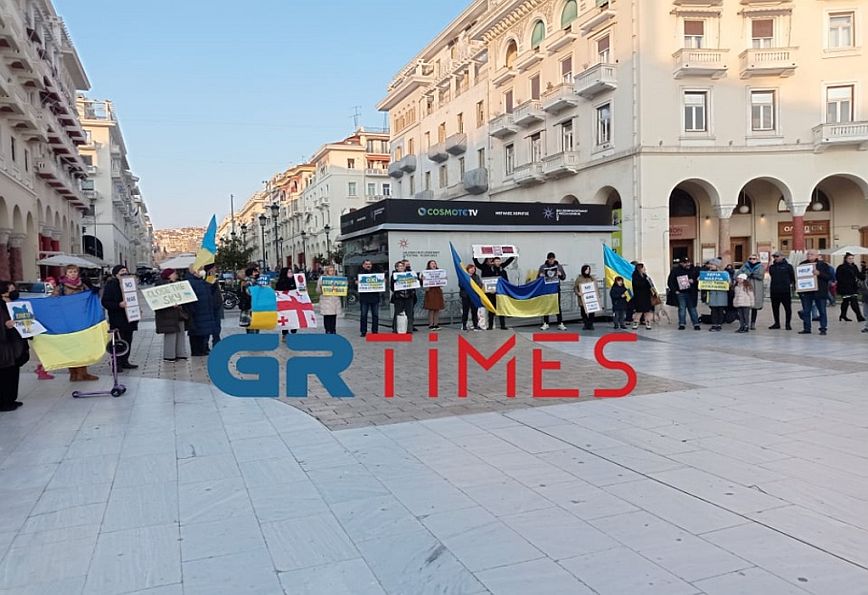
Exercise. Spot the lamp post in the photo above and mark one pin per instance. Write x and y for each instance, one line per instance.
(304, 248)
(275, 211)
(327, 229)
(244, 236)
(262, 239)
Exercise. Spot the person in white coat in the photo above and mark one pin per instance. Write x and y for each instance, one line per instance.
(329, 306)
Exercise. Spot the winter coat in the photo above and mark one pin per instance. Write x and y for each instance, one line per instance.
(474, 279)
(550, 271)
(112, 296)
(717, 298)
(642, 290)
(204, 312)
(14, 351)
(488, 271)
(168, 320)
(743, 298)
(618, 293)
(824, 276)
(401, 294)
(848, 276)
(782, 277)
(755, 274)
(328, 305)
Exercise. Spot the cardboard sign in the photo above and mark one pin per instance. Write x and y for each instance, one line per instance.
(300, 282)
(550, 274)
(334, 286)
(805, 279)
(131, 299)
(590, 297)
(168, 295)
(490, 284)
(21, 314)
(683, 282)
(434, 278)
(492, 251)
(405, 280)
(372, 282)
(714, 281)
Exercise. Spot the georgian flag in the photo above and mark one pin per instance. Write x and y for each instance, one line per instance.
(294, 310)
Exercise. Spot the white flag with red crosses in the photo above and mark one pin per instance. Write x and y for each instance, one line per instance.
(294, 310)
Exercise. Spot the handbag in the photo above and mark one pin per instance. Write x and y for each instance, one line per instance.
(655, 299)
(244, 318)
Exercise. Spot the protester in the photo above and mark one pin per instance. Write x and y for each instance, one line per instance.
(755, 272)
(643, 294)
(329, 305)
(585, 276)
(14, 352)
(411, 312)
(213, 278)
(489, 269)
(369, 301)
(402, 300)
(286, 282)
(114, 303)
(467, 306)
(618, 293)
(552, 271)
(682, 290)
(203, 320)
(72, 283)
(433, 301)
(810, 299)
(245, 301)
(717, 299)
(848, 276)
(171, 323)
(743, 300)
(782, 284)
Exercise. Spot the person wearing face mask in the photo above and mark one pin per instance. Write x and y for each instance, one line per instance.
(113, 302)
(402, 299)
(369, 302)
(14, 351)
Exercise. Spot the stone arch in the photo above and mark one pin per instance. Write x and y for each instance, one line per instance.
(779, 185)
(844, 200)
(537, 31)
(510, 52)
(609, 196)
(859, 182)
(687, 200)
(4, 214)
(570, 199)
(17, 221)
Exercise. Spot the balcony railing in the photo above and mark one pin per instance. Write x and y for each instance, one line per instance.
(376, 171)
(528, 113)
(700, 62)
(844, 133)
(561, 164)
(456, 144)
(768, 62)
(395, 170)
(597, 79)
(502, 126)
(559, 98)
(437, 153)
(529, 173)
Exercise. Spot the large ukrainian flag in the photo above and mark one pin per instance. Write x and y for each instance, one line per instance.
(537, 298)
(263, 308)
(617, 266)
(476, 293)
(76, 330)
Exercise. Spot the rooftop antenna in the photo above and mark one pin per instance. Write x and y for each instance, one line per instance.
(357, 115)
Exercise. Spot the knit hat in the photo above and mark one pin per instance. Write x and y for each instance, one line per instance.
(116, 269)
(848, 254)
(166, 274)
(742, 277)
(715, 261)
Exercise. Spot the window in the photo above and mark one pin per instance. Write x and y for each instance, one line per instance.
(480, 157)
(26, 160)
(539, 33)
(427, 140)
(567, 136)
(480, 113)
(762, 111)
(694, 34)
(412, 185)
(427, 180)
(695, 104)
(398, 154)
(534, 87)
(460, 123)
(351, 164)
(509, 159)
(12, 147)
(351, 189)
(569, 13)
(511, 54)
(507, 102)
(387, 189)
(411, 146)
(762, 33)
(444, 176)
(841, 30)
(567, 70)
(603, 54)
(441, 132)
(536, 149)
(604, 124)
(372, 189)
(461, 168)
(839, 104)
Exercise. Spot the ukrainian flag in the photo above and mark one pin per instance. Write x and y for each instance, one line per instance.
(616, 266)
(537, 298)
(76, 330)
(263, 309)
(208, 251)
(476, 293)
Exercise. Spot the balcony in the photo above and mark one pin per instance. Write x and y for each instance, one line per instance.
(598, 19)
(528, 113)
(414, 76)
(502, 76)
(437, 153)
(845, 133)
(565, 163)
(528, 174)
(395, 170)
(700, 62)
(597, 79)
(424, 195)
(528, 59)
(456, 144)
(559, 98)
(768, 62)
(372, 198)
(408, 164)
(377, 171)
(476, 180)
(502, 126)
(561, 38)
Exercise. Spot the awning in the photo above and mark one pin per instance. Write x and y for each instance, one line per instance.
(61, 260)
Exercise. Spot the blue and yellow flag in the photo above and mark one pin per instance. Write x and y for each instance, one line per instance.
(263, 308)
(617, 266)
(76, 330)
(537, 298)
(208, 251)
(474, 291)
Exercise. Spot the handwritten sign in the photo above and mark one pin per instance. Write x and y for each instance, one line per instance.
(372, 282)
(168, 295)
(131, 299)
(334, 286)
(434, 278)
(590, 297)
(805, 279)
(21, 314)
(714, 281)
(490, 284)
(405, 280)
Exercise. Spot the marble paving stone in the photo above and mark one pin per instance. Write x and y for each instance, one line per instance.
(637, 459)
(255, 449)
(148, 443)
(350, 577)
(727, 468)
(529, 439)
(251, 429)
(528, 469)
(694, 559)
(146, 469)
(540, 577)
(201, 444)
(507, 497)
(342, 484)
(266, 472)
(75, 533)
(66, 586)
(747, 582)
(59, 499)
(726, 494)
(91, 447)
(308, 541)
(583, 437)
(280, 501)
(207, 468)
(428, 497)
(84, 471)
(88, 514)
(589, 467)
(584, 500)
(221, 538)
(43, 562)
(29, 457)
(17, 507)
(558, 533)
(135, 559)
(323, 456)
(141, 506)
(641, 531)
(27, 477)
(469, 473)
(823, 500)
(216, 500)
(376, 517)
(246, 572)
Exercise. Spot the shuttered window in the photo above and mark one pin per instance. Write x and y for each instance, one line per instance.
(762, 33)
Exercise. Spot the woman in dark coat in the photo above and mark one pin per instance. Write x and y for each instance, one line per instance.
(848, 276)
(643, 290)
(285, 282)
(113, 302)
(170, 323)
(14, 351)
(204, 316)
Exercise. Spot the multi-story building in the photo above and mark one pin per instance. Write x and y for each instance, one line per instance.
(286, 191)
(245, 225)
(41, 202)
(178, 240)
(116, 229)
(709, 127)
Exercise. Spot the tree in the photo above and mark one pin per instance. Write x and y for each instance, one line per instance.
(231, 257)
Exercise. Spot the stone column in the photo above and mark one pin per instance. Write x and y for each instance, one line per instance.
(16, 269)
(798, 211)
(724, 247)
(4, 254)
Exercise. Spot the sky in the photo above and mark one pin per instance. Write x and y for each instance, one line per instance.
(215, 96)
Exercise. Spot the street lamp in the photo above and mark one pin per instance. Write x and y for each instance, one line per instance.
(244, 236)
(275, 211)
(262, 238)
(327, 229)
(304, 247)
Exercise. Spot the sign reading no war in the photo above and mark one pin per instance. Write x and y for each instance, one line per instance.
(168, 295)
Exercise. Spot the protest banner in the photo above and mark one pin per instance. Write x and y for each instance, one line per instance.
(434, 278)
(168, 295)
(334, 286)
(714, 281)
(21, 314)
(405, 280)
(494, 251)
(805, 278)
(300, 282)
(590, 298)
(131, 299)
(372, 282)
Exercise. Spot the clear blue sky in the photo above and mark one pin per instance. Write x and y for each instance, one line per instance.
(215, 96)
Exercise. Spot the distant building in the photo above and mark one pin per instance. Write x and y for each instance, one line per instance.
(179, 240)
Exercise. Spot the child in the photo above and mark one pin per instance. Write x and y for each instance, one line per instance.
(618, 293)
(743, 301)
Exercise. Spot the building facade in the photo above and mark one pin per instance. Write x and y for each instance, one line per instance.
(709, 127)
(117, 226)
(41, 202)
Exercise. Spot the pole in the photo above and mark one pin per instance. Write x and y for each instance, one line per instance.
(232, 210)
(262, 244)
(276, 248)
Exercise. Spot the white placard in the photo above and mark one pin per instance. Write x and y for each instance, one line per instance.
(494, 251)
(434, 278)
(372, 282)
(683, 282)
(805, 279)
(131, 299)
(405, 280)
(590, 299)
(168, 295)
(300, 282)
(21, 314)
(490, 284)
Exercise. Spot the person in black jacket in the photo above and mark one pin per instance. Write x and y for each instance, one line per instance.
(286, 282)
(781, 287)
(643, 292)
(819, 298)
(369, 302)
(494, 267)
(683, 284)
(113, 302)
(848, 276)
(402, 299)
(14, 351)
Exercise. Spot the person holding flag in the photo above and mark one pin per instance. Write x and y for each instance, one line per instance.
(552, 271)
(467, 305)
